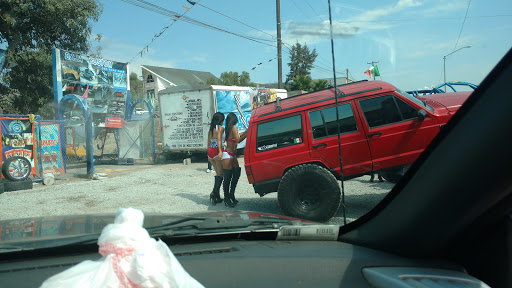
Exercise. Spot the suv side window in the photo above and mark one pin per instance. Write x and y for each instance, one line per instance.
(323, 122)
(386, 110)
(279, 133)
(408, 112)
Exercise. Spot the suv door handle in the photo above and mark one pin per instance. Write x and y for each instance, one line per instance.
(320, 145)
(374, 134)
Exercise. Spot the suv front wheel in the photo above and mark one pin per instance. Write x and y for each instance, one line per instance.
(309, 192)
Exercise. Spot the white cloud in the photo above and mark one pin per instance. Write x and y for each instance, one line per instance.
(444, 7)
(358, 24)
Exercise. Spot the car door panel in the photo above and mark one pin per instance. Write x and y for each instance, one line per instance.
(394, 143)
(355, 152)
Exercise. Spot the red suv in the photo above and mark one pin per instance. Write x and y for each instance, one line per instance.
(292, 145)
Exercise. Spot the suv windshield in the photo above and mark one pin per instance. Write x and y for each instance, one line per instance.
(414, 99)
(208, 110)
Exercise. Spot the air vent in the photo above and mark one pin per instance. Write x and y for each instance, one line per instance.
(65, 265)
(434, 104)
(69, 264)
(408, 277)
(204, 252)
(437, 281)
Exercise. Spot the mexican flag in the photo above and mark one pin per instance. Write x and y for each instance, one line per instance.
(376, 70)
(372, 71)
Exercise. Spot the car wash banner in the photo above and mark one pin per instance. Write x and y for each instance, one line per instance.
(51, 155)
(17, 139)
(238, 102)
(104, 84)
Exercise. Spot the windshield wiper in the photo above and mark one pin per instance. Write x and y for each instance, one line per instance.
(191, 226)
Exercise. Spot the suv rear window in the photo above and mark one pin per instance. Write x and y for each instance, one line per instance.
(323, 122)
(279, 133)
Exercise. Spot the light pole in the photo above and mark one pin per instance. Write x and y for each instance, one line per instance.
(444, 63)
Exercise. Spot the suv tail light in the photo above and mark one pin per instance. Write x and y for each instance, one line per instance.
(248, 171)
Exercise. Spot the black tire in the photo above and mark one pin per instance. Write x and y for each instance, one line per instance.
(17, 185)
(393, 175)
(309, 192)
(16, 168)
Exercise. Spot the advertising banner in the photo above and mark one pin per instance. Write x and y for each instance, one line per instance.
(102, 83)
(262, 96)
(226, 103)
(17, 139)
(52, 161)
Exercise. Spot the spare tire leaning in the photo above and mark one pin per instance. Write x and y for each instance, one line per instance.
(309, 192)
(16, 168)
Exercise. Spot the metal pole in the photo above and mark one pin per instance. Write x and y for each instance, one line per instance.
(338, 120)
(444, 71)
(444, 63)
(279, 57)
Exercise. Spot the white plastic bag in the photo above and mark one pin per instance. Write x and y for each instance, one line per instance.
(130, 259)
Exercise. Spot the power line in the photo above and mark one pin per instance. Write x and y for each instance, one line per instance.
(301, 11)
(422, 19)
(229, 17)
(314, 10)
(465, 16)
(166, 12)
(156, 35)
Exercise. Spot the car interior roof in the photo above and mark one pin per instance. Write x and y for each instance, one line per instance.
(459, 189)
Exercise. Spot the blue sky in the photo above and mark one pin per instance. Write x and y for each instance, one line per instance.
(408, 38)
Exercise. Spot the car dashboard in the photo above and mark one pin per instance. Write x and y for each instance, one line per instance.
(259, 263)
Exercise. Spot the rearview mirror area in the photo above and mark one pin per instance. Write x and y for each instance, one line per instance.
(422, 114)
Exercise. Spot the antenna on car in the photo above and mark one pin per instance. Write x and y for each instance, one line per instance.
(336, 93)
(278, 106)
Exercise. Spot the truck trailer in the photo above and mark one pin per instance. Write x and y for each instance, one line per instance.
(186, 112)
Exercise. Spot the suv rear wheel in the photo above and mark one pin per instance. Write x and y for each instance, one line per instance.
(309, 192)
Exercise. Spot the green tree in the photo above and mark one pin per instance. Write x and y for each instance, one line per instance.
(233, 79)
(320, 84)
(301, 82)
(212, 81)
(301, 61)
(245, 79)
(31, 29)
(136, 87)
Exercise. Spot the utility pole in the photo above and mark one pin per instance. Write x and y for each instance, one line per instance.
(444, 63)
(373, 65)
(279, 58)
(347, 76)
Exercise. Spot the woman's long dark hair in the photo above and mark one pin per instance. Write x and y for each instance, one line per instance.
(217, 119)
(230, 121)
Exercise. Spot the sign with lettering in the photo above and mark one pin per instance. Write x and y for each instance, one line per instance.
(51, 156)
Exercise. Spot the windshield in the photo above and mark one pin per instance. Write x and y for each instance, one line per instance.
(416, 100)
(171, 107)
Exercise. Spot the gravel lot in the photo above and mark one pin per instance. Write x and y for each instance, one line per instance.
(165, 188)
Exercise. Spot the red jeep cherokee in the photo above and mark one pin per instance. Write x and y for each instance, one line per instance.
(292, 145)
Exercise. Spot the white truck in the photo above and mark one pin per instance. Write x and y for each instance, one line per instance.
(186, 113)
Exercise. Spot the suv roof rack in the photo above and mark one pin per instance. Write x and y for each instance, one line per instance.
(279, 108)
